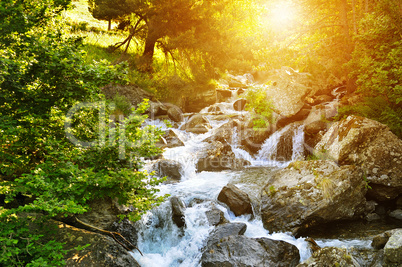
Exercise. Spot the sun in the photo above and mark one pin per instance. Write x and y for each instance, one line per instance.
(282, 14)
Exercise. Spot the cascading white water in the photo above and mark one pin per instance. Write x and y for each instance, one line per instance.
(165, 245)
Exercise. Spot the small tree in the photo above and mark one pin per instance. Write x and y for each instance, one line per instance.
(107, 10)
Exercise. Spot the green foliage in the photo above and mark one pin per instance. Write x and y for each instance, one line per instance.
(21, 239)
(43, 74)
(377, 66)
(108, 9)
(260, 106)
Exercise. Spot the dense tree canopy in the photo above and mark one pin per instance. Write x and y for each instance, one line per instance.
(107, 10)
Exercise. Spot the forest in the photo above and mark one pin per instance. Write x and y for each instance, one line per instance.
(56, 56)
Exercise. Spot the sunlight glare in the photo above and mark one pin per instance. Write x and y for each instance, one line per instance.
(282, 14)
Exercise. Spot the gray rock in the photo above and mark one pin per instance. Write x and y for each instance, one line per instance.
(178, 209)
(371, 145)
(322, 99)
(219, 156)
(393, 248)
(237, 200)
(225, 230)
(172, 139)
(310, 193)
(174, 113)
(102, 213)
(103, 250)
(126, 229)
(197, 124)
(380, 240)
(167, 167)
(330, 256)
(222, 134)
(238, 250)
(280, 253)
(215, 216)
(397, 214)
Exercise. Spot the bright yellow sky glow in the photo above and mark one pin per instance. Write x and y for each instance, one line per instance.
(282, 14)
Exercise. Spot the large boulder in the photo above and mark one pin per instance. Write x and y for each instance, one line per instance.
(371, 145)
(102, 250)
(310, 193)
(393, 249)
(237, 200)
(379, 241)
(174, 113)
(201, 98)
(238, 250)
(127, 229)
(102, 213)
(225, 230)
(167, 167)
(223, 134)
(289, 90)
(299, 116)
(196, 124)
(219, 156)
(330, 256)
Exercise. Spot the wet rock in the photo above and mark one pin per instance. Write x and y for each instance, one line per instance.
(238, 250)
(178, 209)
(197, 124)
(237, 200)
(219, 156)
(280, 253)
(225, 230)
(252, 138)
(315, 127)
(322, 99)
(380, 240)
(393, 248)
(330, 256)
(172, 139)
(127, 229)
(299, 116)
(378, 259)
(239, 104)
(397, 214)
(311, 193)
(174, 113)
(372, 217)
(157, 109)
(222, 134)
(214, 108)
(215, 216)
(238, 81)
(103, 250)
(167, 167)
(223, 94)
(371, 145)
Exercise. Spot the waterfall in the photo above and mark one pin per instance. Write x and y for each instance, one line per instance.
(165, 245)
(284, 145)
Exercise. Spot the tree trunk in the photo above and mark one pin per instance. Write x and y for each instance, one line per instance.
(348, 44)
(109, 25)
(150, 41)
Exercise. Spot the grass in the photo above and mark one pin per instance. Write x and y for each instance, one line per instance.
(167, 76)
